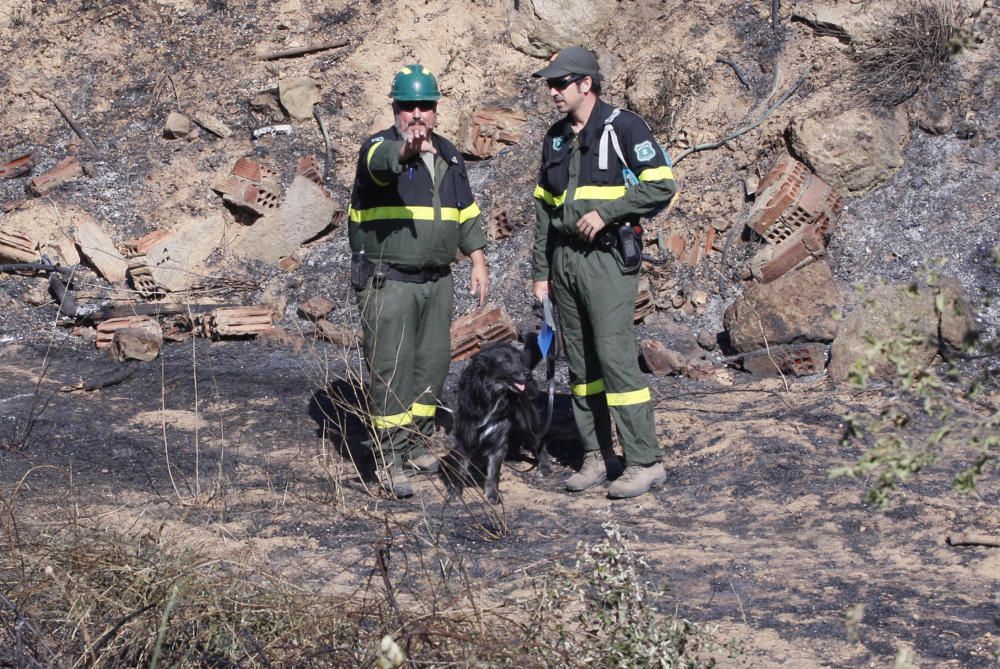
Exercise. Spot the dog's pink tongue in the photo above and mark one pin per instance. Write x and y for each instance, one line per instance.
(520, 387)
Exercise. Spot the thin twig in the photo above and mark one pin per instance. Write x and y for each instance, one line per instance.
(740, 74)
(382, 561)
(326, 142)
(34, 267)
(746, 129)
(302, 50)
(973, 540)
(22, 620)
(72, 122)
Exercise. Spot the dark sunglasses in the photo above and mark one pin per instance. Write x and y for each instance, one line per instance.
(562, 83)
(410, 105)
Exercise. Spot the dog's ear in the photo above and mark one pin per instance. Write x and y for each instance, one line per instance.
(531, 355)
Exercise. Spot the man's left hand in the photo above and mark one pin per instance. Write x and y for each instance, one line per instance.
(480, 278)
(589, 225)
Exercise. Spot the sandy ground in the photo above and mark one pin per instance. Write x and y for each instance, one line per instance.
(749, 533)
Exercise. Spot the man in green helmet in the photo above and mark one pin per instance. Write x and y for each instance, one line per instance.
(411, 209)
(601, 171)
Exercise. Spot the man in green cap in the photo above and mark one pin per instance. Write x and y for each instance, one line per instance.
(602, 170)
(411, 209)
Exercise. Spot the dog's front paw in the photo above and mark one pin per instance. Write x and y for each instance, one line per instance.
(493, 497)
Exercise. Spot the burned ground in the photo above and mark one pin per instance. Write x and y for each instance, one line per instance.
(235, 448)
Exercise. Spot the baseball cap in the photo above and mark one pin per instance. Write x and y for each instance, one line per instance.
(571, 60)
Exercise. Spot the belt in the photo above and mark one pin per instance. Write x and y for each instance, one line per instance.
(384, 271)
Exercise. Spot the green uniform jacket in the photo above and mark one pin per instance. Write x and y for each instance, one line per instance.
(400, 216)
(571, 183)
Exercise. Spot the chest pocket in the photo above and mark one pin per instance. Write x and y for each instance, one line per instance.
(555, 172)
(455, 191)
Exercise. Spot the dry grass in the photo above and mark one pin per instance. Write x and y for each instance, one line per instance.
(82, 595)
(909, 50)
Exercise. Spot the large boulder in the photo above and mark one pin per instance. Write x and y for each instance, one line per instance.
(798, 307)
(920, 318)
(542, 27)
(853, 152)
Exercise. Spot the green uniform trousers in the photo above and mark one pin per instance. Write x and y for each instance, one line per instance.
(406, 337)
(596, 304)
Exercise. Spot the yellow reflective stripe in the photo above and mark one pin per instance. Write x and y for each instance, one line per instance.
(423, 410)
(407, 213)
(599, 192)
(397, 420)
(625, 399)
(368, 164)
(548, 198)
(392, 213)
(592, 388)
(656, 174)
(468, 213)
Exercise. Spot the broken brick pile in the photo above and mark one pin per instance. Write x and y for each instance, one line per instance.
(794, 211)
(250, 185)
(471, 332)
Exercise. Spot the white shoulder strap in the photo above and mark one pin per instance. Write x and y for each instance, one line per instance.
(609, 132)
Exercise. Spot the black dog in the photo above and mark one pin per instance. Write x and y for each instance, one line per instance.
(496, 416)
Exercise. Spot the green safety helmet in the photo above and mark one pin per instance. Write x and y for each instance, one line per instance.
(414, 82)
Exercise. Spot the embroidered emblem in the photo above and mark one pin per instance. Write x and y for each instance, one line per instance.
(376, 140)
(644, 151)
(557, 143)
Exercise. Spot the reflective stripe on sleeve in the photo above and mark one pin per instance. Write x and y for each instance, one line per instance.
(368, 164)
(656, 174)
(548, 198)
(468, 213)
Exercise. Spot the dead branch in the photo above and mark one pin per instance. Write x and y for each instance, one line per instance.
(35, 267)
(326, 142)
(72, 122)
(382, 548)
(66, 304)
(742, 131)
(114, 378)
(302, 50)
(973, 540)
(111, 311)
(740, 74)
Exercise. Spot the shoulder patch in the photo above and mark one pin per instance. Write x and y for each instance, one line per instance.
(644, 151)
(376, 140)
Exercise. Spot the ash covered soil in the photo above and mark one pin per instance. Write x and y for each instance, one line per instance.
(235, 447)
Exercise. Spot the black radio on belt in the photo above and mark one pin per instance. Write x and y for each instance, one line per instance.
(630, 244)
(625, 238)
(359, 270)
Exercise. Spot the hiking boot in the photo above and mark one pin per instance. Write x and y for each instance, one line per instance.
(424, 464)
(392, 480)
(591, 473)
(637, 479)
